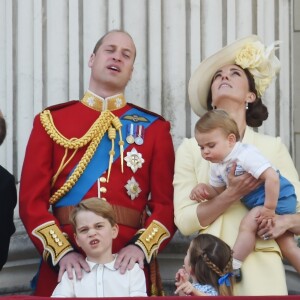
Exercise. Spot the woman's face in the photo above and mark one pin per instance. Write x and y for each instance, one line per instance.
(230, 83)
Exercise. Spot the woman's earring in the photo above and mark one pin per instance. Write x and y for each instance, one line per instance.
(246, 106)
(214, 107)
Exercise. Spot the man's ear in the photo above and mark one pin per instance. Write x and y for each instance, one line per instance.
(91, 60)
(131, 72)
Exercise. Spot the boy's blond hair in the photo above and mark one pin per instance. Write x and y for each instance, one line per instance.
(217, 119)
(96, 205)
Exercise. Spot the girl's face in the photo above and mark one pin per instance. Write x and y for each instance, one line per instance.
(186, 262)
(94, 234)
(215, 145)
(230, 83)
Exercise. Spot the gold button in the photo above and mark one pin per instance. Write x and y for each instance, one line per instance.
(102, 179)
(103, 189)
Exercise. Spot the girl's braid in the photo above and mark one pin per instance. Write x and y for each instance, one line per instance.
(213, 267)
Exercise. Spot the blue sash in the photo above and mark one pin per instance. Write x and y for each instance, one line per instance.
(100, 160)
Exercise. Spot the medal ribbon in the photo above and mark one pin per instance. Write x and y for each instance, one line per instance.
(98, 164)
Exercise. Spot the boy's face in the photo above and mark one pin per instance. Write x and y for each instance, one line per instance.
(94, 234)
(215, 145)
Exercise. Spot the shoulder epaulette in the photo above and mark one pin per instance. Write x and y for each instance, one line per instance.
(147, 111)
(61, 105)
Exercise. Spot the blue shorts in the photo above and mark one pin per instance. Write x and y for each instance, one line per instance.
(287, 200)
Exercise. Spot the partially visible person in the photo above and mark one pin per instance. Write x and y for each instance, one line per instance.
(101, 146)
(95, 228)
(8, 194)
(218, 138)
(208, 264)
(234, 79)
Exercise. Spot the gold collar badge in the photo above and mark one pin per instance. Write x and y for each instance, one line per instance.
(100, 104)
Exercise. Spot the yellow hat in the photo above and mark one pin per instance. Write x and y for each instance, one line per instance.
(249, 53)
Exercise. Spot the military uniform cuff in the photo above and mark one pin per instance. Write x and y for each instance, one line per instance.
(54, 241)
(151, 238)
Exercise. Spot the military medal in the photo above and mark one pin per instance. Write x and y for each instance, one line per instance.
(134, 160)
(139, 139)
(132, 188)
(130, 132)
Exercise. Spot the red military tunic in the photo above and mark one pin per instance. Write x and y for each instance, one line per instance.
(146, 180)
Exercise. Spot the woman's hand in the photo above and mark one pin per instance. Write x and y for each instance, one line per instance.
(242, 184)
(272, 230)
(238, 186)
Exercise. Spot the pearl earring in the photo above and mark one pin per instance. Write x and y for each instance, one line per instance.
(246, 106)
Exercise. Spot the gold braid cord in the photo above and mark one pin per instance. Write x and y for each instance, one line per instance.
(93, 135)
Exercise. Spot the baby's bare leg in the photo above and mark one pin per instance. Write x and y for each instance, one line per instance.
(246, 238)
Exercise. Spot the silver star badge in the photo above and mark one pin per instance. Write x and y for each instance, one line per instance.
(134, 160)
(132, 188)
(118, 102)
(91, 101)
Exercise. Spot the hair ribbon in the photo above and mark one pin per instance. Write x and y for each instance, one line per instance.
(225, 279)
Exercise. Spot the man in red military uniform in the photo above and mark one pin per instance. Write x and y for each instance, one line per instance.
(105, 147)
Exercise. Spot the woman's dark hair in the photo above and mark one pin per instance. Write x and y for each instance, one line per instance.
(256, 113)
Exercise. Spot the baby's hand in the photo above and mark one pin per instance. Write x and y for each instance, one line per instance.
(200, 192)
(266, 214)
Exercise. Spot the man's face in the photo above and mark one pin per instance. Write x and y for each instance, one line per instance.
(112, 64)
